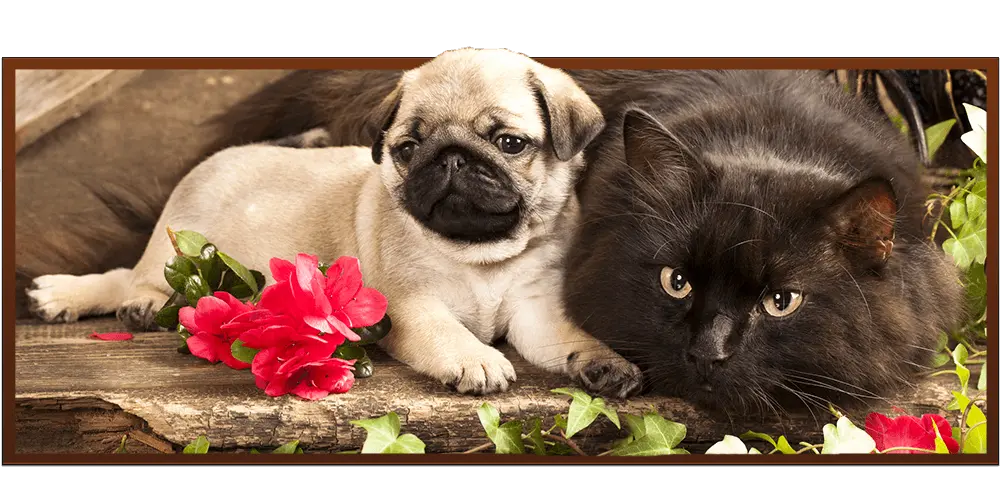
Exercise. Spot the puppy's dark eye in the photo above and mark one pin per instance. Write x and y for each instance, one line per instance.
(782, 303)
(512, 145)
(675, 283)
(406, 151)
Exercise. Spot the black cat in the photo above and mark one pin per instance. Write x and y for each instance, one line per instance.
(754, 238)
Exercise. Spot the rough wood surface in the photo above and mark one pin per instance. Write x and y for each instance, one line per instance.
(44, 99)
(75, 394)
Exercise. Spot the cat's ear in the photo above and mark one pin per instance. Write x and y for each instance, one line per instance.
(652, 150)
(864, 219)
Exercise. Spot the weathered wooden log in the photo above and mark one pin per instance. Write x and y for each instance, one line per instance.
(74, 394)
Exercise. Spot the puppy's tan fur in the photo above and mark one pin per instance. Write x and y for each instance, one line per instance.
(448, 300)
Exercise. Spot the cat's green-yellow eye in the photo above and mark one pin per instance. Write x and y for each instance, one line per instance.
(782, 303)
(675, 283)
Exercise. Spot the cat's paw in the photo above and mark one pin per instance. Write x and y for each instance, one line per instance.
(139, 314)
(610, 375)
(478, 370)
(58, 298)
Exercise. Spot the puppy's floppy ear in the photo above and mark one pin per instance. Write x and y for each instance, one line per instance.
(388, 108)
(572, 119)
(864, 220)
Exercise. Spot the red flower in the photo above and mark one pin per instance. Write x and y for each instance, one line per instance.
(307, 376)
(909, 431)
(209, 340)
(332, 304)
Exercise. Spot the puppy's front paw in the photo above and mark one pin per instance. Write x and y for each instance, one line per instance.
(608, 374)
(479, 370)
(57, 298)
(138, 314)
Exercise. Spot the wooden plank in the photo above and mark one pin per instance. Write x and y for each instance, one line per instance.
(44, 99)
(178, 397)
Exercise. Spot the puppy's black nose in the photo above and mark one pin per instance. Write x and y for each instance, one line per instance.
(452, 158)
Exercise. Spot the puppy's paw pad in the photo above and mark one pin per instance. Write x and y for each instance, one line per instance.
(138, 314)
(611, 377)
(54, 298)
(481, 373)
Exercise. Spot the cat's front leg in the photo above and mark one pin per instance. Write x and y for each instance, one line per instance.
(546, 338)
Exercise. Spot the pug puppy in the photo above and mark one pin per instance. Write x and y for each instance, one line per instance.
(460, 214)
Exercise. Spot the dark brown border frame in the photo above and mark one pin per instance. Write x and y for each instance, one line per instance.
(10, 64)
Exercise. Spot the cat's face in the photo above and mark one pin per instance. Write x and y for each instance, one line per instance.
(745, 281)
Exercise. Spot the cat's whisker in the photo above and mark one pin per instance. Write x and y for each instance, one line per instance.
(859, 290)
(762, 211)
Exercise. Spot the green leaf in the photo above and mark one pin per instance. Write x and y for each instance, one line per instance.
(560, 422)
(976, 436)
(635, 425)
(959, 255)
(289, 448)
(374, 333)
(976, 201)
(535, 437)
(242, 352)
(982, 380)
(845, 438)
(242, 272)
(190, 242)
(659, 437)
(384, 436)
(960, 355)
(940, 359)
(935, 135)
(121, 446)
(784, 447)
(167, 316)
(940, 447)
(957, 214)
(210, 266)
(507, 437)
(200, 446)
(584, 410)
(729, 445)
(195, 288)
(254, 451)
(177, 270)
(363, 364)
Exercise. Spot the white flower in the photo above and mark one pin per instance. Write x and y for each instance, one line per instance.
(977, 138)
(731, 445)
(846, 439)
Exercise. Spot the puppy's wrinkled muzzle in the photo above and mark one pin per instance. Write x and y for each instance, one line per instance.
(463, 197)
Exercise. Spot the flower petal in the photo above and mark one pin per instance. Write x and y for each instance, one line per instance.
(306, 268)
(210, 314)
(281, 270)
(343, 280)
(111, 336)
(367, 309)
(204, 346)
(186, 317)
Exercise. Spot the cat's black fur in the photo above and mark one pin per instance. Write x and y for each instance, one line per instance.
(752, 183)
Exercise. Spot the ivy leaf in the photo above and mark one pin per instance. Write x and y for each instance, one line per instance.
(982, 380)
(976, 201)
(254, 451)
(289, 448)
(242, 352)
(635, 425)
(560, 422)
(189, 242)
(959, 255)
(177, 270)
(507, 437)
(940, 447)
(782, 445)
(659, 437)
(195, 288)
(535, 437)
(384, 436)
(935, 136)
(960, 355)
(976, 437)
(845, 438)
(242, 272)
(584, 410)
(957, 214)
(200, 446)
